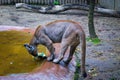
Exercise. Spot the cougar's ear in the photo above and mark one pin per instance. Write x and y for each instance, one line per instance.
(27, 46)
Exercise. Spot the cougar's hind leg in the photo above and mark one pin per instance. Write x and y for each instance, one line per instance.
(74, 42)
(72, 50)
(64, 47)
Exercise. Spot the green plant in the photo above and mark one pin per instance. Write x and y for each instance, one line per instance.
(113, 78)
(56, 2)
(93, 40)
(77, 67)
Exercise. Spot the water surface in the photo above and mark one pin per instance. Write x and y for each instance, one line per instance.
(14, 58)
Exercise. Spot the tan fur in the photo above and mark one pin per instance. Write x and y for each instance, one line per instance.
(66, 32)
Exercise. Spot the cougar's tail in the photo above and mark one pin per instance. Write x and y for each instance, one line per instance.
(83, 53)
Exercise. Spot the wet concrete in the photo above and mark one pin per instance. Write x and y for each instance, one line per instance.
(48, 71)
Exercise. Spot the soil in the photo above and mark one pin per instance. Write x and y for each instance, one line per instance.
(102, 60)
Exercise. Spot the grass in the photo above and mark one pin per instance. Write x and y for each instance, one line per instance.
(95, 41)
(77, 68)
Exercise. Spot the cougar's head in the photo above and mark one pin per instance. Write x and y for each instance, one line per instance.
(31, 49)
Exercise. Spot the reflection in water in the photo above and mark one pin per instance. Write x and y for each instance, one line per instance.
(14, 58)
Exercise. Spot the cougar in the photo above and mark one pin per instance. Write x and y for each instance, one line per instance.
(68, 33)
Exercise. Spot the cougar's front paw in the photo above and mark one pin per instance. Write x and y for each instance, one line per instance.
(57, 60)
(50, 58)
(66, 61)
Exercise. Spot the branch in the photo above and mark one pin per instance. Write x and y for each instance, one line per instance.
(60, 8)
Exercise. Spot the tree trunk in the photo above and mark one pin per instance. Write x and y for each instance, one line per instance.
(53, 9)
(91, 19)
(88, 2)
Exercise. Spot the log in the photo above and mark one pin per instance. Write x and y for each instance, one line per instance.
(60, 8)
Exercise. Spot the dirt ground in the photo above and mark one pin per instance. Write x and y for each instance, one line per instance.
(103, 60)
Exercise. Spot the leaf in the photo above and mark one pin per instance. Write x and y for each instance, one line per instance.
(56, 2)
